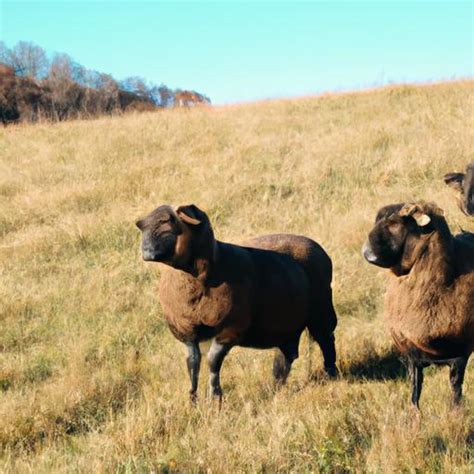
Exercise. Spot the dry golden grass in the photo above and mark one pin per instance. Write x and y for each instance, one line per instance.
(91, 379)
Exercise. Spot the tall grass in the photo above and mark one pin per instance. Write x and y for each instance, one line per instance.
(91, 380)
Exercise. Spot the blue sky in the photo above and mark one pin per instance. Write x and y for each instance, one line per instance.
(243, 51)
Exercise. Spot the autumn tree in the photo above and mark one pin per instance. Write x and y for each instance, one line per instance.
(27, 60)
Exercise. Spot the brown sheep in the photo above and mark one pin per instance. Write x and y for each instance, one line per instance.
(262, 295)
(463, 183)
(429, 305)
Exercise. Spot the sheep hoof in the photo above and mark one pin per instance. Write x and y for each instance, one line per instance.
(415, 417)
(332, 372)
(457, 403)
(215, 396)
(193, 397)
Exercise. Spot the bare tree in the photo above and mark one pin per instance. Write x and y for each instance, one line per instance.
(61, 67)
(136, 85)
(163, 96)
(65, 94)
(79, 74)
(4, 53)
(28, 60)
(109, 93)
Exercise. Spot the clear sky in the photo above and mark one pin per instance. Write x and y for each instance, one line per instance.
(243, 51)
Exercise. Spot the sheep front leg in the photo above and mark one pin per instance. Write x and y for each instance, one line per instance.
(456, 377)
(284, 357)
(215, 357)
(416, 373)
(193, 362)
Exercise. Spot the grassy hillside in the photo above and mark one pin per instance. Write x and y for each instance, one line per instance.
(91, 380)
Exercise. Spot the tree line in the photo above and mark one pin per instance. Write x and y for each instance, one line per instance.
(35, 87)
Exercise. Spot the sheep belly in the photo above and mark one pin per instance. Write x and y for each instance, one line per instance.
(280, 308)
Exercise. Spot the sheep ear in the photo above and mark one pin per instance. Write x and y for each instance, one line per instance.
(421, 219)
(407, 210)
(140, 224)
(454, 180)
(189, 214)
(412, 210)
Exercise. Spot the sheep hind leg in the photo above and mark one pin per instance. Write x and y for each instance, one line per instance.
(284, 357)
(328, 347)
(194, 363)
(456, 377)
(416, 374)
(321, 326)
(215, 357)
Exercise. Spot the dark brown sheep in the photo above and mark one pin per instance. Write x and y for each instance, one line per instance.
(463, 183)
(262, 295)
(429, 305)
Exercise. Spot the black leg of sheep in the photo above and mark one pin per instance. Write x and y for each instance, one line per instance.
(284, 357)
(194, 363)
(215, 357)
(328, 349)
(456, 377)
(416, 374)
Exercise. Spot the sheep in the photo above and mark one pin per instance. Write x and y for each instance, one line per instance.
(463, 183)
(260, 295)
(429, 304)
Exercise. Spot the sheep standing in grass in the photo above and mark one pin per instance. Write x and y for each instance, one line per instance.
(464, 184)
(430, 301)
(262, 295)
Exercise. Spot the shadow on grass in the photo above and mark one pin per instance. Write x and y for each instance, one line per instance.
(470, 438)
(388, 366)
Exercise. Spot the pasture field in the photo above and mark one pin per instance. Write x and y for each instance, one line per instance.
(91, 379)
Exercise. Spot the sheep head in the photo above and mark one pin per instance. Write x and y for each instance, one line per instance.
(463, 183)
(400, 234)
(180, 237)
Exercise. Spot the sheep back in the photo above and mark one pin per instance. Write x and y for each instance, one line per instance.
(318, 268)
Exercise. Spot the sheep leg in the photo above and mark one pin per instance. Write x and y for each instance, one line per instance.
(194, 363)
(328, 348)
(215, 357)
(284, 357)
(456, 377)
(416, 373)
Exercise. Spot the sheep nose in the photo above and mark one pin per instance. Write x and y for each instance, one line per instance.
(368, 253)
(148, 253)
(148, 256)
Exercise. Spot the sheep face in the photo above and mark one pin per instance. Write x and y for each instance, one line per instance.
(160, 232)
(400, 234)
(174, 236)
(463, 183)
